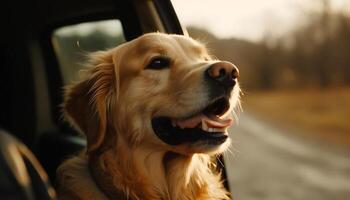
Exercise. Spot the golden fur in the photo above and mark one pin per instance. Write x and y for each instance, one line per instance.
(113, 104)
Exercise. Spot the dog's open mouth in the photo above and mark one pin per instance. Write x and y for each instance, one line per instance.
(207, 126)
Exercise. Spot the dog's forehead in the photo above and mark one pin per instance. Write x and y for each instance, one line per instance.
(167, 42)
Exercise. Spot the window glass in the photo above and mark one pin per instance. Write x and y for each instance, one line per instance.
(73, 42)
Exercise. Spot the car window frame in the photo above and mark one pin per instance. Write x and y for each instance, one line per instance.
(131, 28)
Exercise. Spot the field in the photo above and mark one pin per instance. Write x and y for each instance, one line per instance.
(324, 114)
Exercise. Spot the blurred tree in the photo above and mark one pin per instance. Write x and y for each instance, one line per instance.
(343, 43)
(323, 49)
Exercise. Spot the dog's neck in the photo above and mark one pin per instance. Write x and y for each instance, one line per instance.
(147, 174)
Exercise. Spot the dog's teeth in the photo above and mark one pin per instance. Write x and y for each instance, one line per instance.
(212, 130)
(204, 126)
(218, 130)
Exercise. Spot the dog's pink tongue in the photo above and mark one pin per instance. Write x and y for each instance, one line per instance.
(208, 122)
(217, 122)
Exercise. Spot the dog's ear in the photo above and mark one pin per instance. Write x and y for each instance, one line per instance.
(87, 102)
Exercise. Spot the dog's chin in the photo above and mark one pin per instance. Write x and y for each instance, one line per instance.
(204, 131)
(209, 148)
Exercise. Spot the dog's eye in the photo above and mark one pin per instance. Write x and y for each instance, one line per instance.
(159, 63)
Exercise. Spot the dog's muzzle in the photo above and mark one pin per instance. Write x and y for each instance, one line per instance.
(208, 124)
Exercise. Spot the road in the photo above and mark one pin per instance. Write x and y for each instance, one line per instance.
(265, 163)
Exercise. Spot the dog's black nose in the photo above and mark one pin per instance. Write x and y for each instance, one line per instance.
(223, 73)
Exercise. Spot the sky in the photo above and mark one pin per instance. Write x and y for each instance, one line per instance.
(248, 19)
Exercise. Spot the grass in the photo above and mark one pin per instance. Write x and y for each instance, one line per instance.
(320, 113)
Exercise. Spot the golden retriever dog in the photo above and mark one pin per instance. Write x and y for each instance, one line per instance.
(155, 111)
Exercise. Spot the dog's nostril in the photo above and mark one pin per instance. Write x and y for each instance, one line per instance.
(223, 76)
(235, 73)
(222, 72)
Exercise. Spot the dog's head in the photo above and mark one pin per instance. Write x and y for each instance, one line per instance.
(160, 91)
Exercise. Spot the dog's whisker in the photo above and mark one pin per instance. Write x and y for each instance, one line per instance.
(235, 116)
(219, 160)
(229, 150)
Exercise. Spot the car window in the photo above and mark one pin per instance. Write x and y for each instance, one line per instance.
(72, 43)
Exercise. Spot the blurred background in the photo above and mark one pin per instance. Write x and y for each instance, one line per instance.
(292, 140)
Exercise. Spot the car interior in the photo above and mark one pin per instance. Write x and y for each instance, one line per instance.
(33, 74)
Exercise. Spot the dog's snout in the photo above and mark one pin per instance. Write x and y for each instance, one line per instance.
(224, 73)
